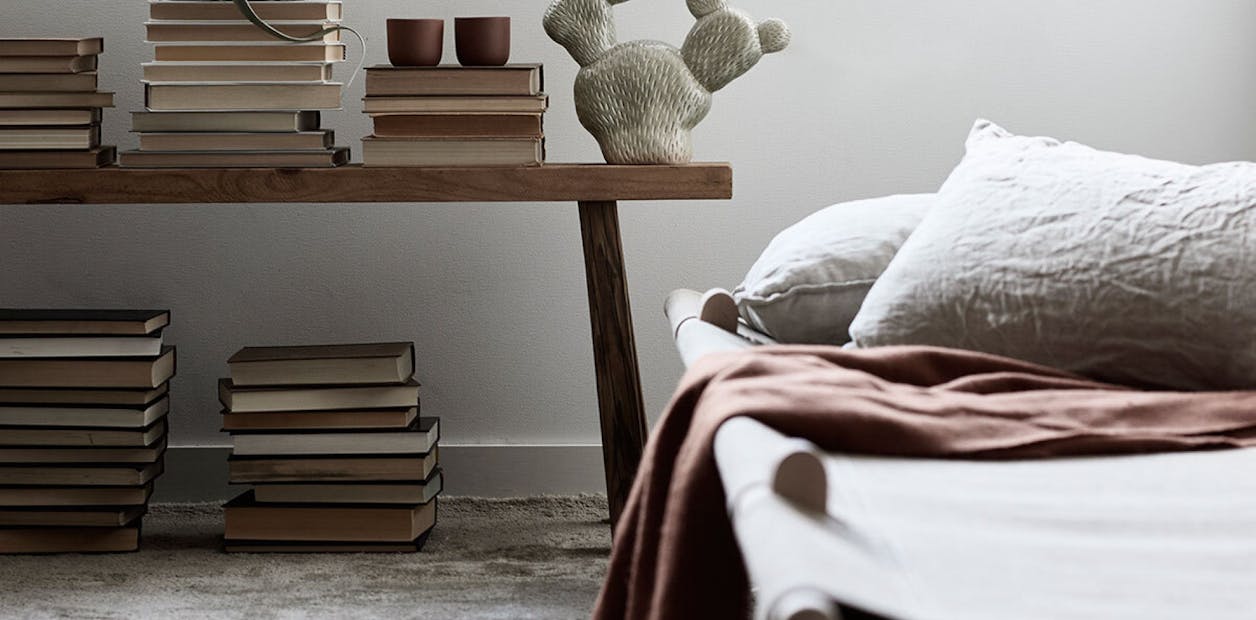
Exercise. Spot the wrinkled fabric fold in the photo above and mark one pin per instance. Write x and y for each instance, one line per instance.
(674, 553)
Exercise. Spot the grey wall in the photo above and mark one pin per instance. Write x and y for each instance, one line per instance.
(874, 97)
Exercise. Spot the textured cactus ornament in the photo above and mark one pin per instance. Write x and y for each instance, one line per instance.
(642, 99)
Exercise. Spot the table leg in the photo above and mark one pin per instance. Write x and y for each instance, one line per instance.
(620, 405)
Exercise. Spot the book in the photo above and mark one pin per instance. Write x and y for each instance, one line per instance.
(141, 397)
(80, 346)
(250, 96)
(70, 539)
(47, 64)
(52, 47)
(11, 496)
(49, 81)
(49, 138)
(225, 122)
(80, 475)
(342, 364)
(51, 160)
(316, 398)
(400, 417)
(50, 117)
(146, 454)
(82, 322)
(523, 80)
(416, 468)
(102, 372)
(80, 437)
(452, 152)
(221, 32)
(454, 105)
(291, 10)
(36, 99)
(235, 159)
(420, 438)
(88, 516)
(280, 546)
(273, 52)
(203, 141)
(235, 72)
(83, 417)
(321, 493)
(457, 125)
(248, 520)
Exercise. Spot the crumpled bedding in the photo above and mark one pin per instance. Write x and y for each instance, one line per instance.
(674, 553)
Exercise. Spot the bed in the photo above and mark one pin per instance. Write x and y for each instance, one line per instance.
(827, 535)
(1030, 394)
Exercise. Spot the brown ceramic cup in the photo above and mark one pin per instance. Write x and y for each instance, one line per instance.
(415, 42)
(482, 41)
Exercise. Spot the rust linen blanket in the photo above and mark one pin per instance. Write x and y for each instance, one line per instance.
(674, 553)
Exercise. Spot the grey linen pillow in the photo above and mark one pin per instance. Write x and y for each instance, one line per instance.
(1122, 268)
(808, 284)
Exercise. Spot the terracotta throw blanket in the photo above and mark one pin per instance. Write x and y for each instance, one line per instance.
(675, 555)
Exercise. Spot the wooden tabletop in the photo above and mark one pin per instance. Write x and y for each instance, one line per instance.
(548, 183)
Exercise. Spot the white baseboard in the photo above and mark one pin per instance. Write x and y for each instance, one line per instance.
(199, 473)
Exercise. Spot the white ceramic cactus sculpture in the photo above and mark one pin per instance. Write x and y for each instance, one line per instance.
(642, 99)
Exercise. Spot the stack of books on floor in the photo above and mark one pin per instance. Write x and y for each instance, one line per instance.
(451, 115)
(84, 396)
(331, 441)
(224, 93)
(50, 105)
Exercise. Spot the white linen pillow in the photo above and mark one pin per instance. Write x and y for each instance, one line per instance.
(1122, 268)
(808, 284)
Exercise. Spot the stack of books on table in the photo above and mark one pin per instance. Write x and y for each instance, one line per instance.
(451, 115)
(331, 439)
(50, 105)
(224, 93)
(84, 396)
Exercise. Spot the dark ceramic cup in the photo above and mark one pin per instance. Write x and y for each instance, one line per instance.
(482, 41)
(415, 42)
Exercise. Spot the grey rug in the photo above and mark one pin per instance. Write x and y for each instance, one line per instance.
(487, 558)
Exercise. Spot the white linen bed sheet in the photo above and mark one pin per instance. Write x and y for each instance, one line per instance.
(1154, 536)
